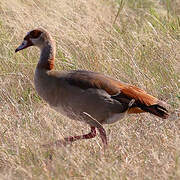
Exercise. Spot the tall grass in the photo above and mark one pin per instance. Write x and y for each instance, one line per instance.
(134, 41)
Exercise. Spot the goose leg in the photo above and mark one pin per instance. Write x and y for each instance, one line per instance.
(93, 124)
(65, 141)
(90, 135)
(103, 136)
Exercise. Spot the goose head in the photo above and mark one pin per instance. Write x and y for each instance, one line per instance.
(37, 37)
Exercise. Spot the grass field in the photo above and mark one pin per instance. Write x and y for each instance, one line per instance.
(136, 41)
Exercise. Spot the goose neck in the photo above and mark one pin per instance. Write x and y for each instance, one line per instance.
(47, 57)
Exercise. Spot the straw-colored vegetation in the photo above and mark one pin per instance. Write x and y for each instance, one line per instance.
(136, 41)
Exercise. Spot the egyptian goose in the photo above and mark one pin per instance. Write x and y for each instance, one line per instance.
(86, 96)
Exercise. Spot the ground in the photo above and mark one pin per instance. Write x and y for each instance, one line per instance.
(135, 41)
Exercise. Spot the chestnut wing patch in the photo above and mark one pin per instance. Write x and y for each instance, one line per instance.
(119, 91)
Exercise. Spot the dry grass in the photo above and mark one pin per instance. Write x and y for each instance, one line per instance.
(135, 41)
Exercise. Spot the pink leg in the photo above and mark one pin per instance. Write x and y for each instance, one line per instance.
(90, 135)
(102, 133)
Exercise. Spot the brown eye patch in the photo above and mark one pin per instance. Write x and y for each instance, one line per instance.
(35, 34)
